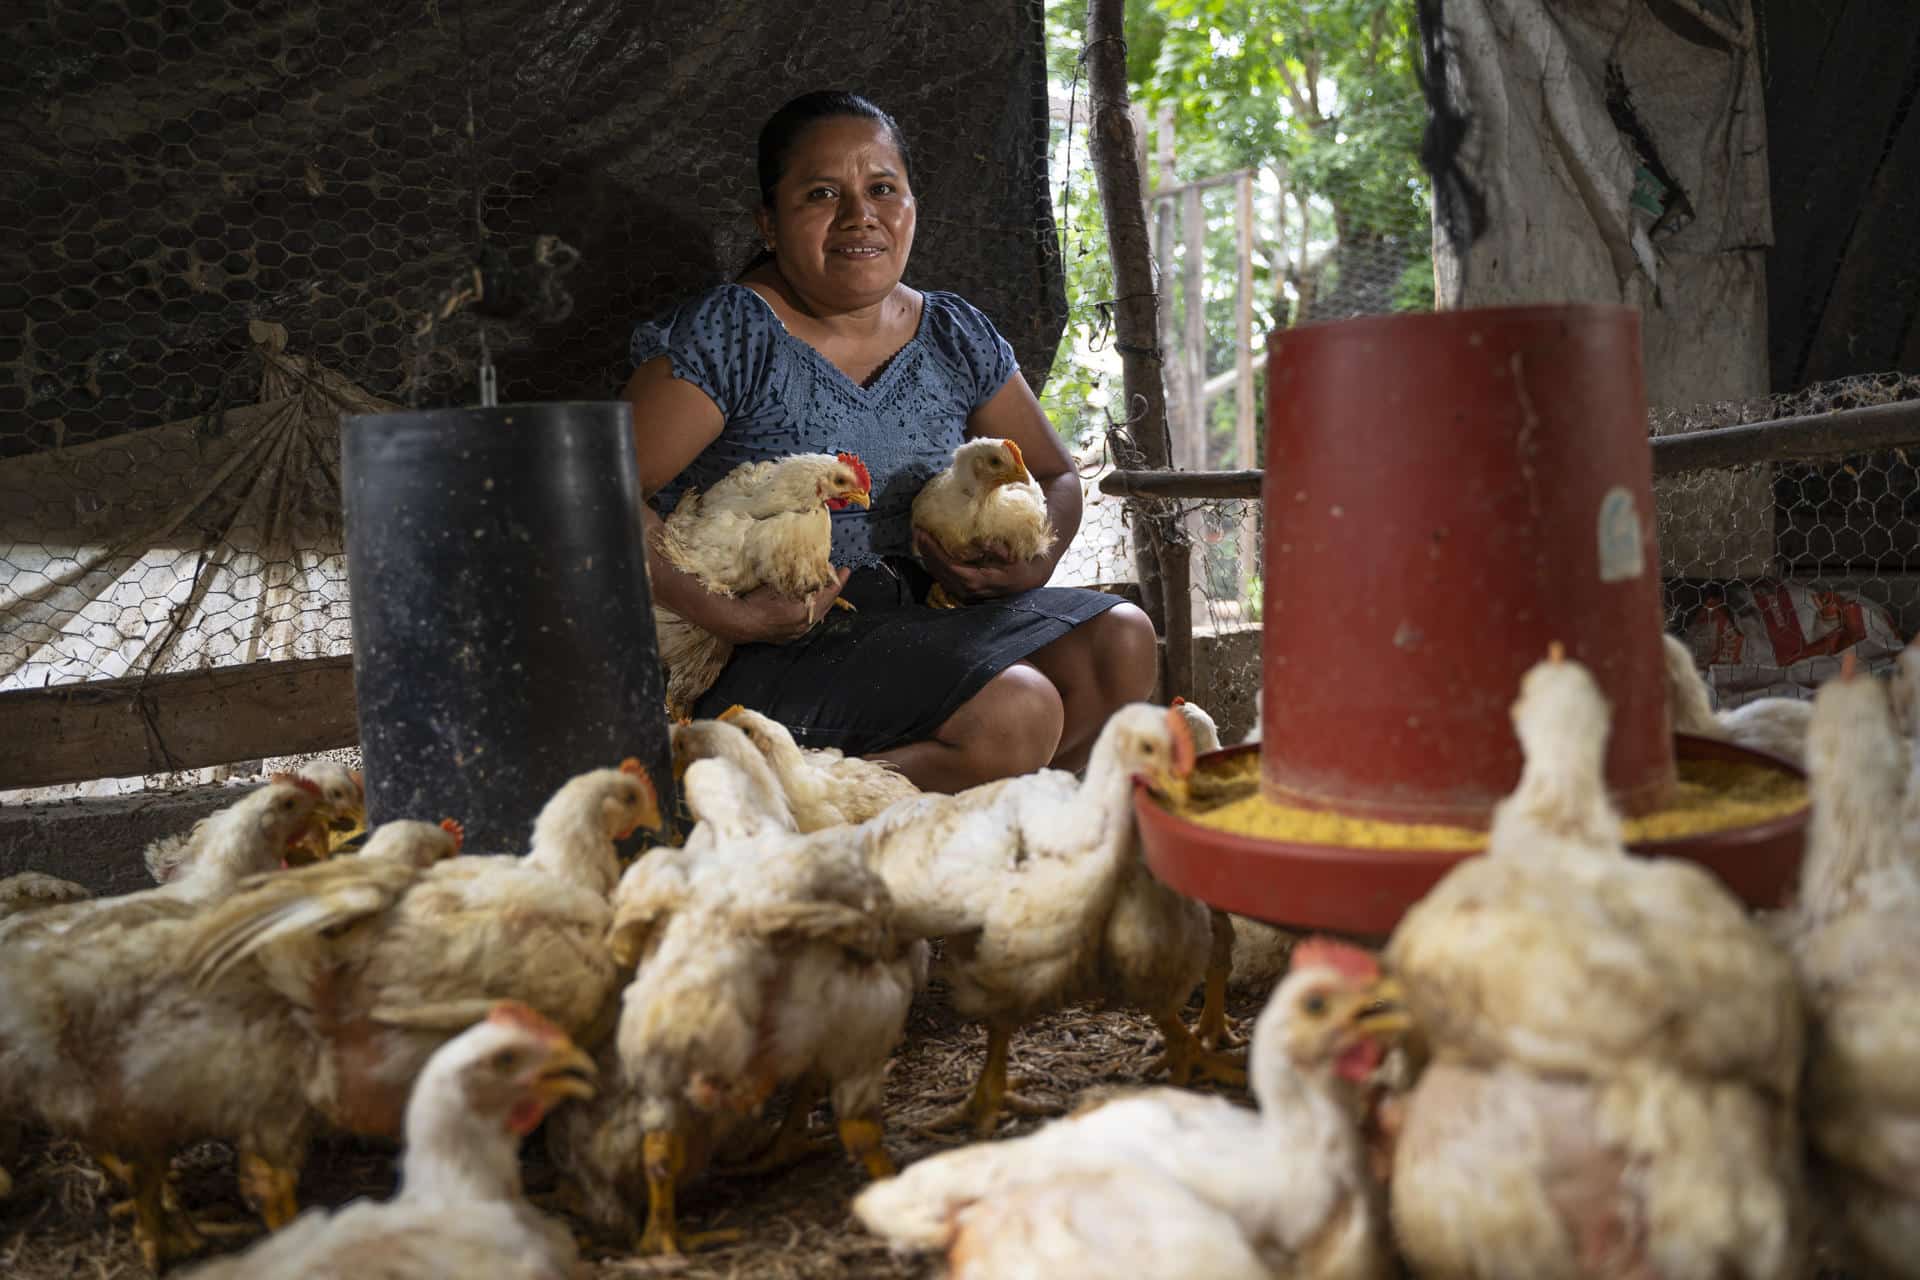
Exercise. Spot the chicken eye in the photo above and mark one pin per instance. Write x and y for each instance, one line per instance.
(506, 1060)
(1315, 1004)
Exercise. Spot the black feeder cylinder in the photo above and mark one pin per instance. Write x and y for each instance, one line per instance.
(502, 624)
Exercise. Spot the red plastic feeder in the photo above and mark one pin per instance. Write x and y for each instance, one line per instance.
(1445, 495)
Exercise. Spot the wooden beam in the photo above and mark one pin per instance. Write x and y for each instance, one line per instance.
(1171, 190)
(185, 720)
(1820, 435)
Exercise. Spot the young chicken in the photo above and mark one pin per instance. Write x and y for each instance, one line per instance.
(386, 960)
(766, 957)
(984, 503)
(342, 816)
(101, 1040)
(824, 788)
(1288, 1183)
(1616, 1045)
(1020, 878)
(1777, 726)
(1853, 936)
(460, 1211)
(696, 740)
(764, 524)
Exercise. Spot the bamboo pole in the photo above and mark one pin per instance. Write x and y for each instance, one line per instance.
(1162, 561)
(1243, 381)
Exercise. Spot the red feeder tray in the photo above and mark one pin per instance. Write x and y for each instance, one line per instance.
(1366, 891)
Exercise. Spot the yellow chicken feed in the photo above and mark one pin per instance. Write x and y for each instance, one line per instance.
(1712, 795)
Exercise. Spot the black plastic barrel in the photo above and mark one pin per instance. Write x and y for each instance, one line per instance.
(502, 625)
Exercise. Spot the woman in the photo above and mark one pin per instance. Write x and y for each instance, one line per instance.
(819, 347)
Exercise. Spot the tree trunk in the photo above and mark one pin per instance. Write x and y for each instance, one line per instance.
(1161, 557)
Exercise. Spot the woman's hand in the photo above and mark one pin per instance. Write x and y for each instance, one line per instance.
(765, 616)
(993, 575)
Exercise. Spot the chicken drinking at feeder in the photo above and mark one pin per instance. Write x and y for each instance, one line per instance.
(765, 525)
(1853, 938)
(386, 960)
(1287, 1186)
(985, 506)
(341, 818)
(1774, 725)
(765, 958)
(460, 1209)
(1616, 1046)
(824, 786)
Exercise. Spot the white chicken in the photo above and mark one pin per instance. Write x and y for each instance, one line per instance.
(766, 957)
(1616, 1045)
(1020, 878)
(1288, 1185)
(460, 1211)
(824, 787)
(1777, 726)
(102, 1041)
(385, 960)
(342, 817)
(984, 503)
(1853, 936)
(764, 524)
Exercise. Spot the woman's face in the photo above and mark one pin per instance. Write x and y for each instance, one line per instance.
(841, 224)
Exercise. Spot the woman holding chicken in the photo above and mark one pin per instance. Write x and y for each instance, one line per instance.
(819, 348)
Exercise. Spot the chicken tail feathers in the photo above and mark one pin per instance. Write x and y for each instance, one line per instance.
(287, 906)
(440, 1015)
(830, 922)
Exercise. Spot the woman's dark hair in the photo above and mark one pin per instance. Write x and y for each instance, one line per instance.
(784, 127)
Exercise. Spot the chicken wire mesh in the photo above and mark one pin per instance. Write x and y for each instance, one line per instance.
(228, 223)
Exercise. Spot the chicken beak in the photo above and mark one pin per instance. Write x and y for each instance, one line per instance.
(859, 497)
(1381, 1013)
(567, 1073)
(348, 825)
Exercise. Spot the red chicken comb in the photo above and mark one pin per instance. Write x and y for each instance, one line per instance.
(859, 468)
(1178, 701)
(1184, 755)
(307, 785)
(511, 1013)
(453, 828)
(1556, 652)
(1345, 959)
(1019, 459)
(632, 765)
(359, 780)
(1849, 665)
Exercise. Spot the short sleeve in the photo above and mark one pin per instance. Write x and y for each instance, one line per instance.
(718, 341)
(969, 343)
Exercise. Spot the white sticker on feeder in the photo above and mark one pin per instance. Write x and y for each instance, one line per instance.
(1622, 554)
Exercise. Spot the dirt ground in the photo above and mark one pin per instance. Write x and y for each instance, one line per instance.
(56, 1225)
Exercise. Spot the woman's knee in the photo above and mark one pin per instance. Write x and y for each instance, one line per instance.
(1014, 724)
(1126, 653)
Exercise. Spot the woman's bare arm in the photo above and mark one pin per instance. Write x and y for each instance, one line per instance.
(673, 421)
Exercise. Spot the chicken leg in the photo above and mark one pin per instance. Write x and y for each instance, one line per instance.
(939, 598)
(1213, 1030)
(269, 1190)
(162, 1236)
(990, 1095)
(665, 1153)
(790, 1143)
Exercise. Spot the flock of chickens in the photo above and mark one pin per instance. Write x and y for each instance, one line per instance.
(1567, 1061)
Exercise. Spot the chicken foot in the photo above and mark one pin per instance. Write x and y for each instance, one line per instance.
(269, 1190)
(981, 1110)
(1213, 1030)
(861, 1138)
(665, 1154)
(1185, 1056)
(791, 1143)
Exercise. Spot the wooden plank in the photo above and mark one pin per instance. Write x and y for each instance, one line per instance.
(1180, 189)
(1216, 485)
(186, 720)
(1243, 379)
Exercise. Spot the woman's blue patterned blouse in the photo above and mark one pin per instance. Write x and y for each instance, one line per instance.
(780, 396)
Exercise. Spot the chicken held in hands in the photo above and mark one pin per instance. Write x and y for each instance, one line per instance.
(1616, 1045)
(823, 787)
(764, 524)
(1853, 937)
(460, 1210)
(1289, 1183)
(985, 504)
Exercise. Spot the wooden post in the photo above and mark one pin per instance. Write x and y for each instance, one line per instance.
(1165, 233)
(1162, 563)
(1243, 383)
(1191, 425)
